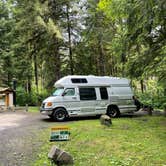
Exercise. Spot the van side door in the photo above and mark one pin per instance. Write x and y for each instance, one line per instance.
(87, 100)
(70, 99)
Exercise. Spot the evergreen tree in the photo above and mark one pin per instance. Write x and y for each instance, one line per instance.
(6, 54)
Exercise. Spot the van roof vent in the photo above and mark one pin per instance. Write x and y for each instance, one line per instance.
(79, 80)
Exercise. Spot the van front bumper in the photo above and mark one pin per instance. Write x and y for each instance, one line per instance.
(46, 111)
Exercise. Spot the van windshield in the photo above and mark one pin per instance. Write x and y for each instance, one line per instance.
(58, 92)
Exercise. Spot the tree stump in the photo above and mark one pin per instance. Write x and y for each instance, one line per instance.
(60, 157)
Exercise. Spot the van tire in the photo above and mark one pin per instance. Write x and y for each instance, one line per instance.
(51, 116)
(60, 115)
(113, 111)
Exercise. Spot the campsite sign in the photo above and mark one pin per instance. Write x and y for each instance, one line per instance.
(60, 133)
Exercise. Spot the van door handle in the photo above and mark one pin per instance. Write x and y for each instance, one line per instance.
(74, 97)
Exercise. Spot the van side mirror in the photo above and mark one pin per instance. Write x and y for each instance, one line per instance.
(64, 93)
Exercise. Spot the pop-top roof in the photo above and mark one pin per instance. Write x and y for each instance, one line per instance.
(81, 80)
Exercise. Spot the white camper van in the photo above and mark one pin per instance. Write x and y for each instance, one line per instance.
(89, 95)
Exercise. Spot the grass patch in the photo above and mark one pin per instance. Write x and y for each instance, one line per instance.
(33, 109)
(128, 142)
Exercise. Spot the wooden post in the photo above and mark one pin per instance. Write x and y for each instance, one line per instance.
(26, 107)
(7, 100)
(165, 111)
(149, 110)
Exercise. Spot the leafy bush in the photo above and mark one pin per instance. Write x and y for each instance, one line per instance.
(42, 96)
(32, 99)
(21, 96)
(154, 94)
(155, 100)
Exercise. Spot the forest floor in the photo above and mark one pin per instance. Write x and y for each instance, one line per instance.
(23, 134)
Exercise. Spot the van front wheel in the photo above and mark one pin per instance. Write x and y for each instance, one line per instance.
(113, 112)
(60, 115)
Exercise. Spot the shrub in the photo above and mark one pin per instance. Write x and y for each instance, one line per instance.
(152, 100)
(32, 99)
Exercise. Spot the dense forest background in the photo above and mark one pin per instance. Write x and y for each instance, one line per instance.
(43, 40)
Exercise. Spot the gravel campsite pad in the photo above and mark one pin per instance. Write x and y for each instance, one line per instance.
(18, 137)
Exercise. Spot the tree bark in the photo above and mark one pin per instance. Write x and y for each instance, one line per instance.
(101, 57)
(142, 86)
(69, 37)
(165, 111)
(28, 85)
(36, 71)
(165, 105)
(57, 60)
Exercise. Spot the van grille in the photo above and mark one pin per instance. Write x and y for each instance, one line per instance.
(43, 105)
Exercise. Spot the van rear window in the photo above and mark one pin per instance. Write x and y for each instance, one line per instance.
(79, 80)
(103, 93)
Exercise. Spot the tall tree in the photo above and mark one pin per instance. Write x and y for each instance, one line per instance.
(147, 37)
(6, 54)
(40, 36)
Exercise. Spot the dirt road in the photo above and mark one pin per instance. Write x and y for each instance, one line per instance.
(18, 141)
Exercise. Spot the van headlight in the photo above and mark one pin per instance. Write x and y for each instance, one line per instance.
(49, 104)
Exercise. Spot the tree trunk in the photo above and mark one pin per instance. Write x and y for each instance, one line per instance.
(165, 105)
(142, 86)
(111, 66)
(123, 60)
(95, 60)
(69, 37)
(36, 71)
(42, 79)
(101, 57)
(28, 87)
(57, 60)
(164, 91)
(57, 66)
(8, 79)
(165, 111)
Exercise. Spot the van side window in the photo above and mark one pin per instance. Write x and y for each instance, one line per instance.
(87, 93)
(69, 92)
(103, 93)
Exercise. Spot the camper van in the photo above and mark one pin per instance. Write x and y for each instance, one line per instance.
(89, 95)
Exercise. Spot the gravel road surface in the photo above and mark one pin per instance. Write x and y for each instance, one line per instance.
(17, 136)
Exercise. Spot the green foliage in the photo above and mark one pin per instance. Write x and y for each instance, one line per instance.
(41, 41)
(6, 54)
(32, 99)
(114, 9)
(41, 96)
(152, 100)
(153, 94)
(25, 98)
(119, 145)
(146, 37)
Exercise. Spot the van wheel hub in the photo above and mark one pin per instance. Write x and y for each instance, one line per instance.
(113, 112)
(60, 115)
